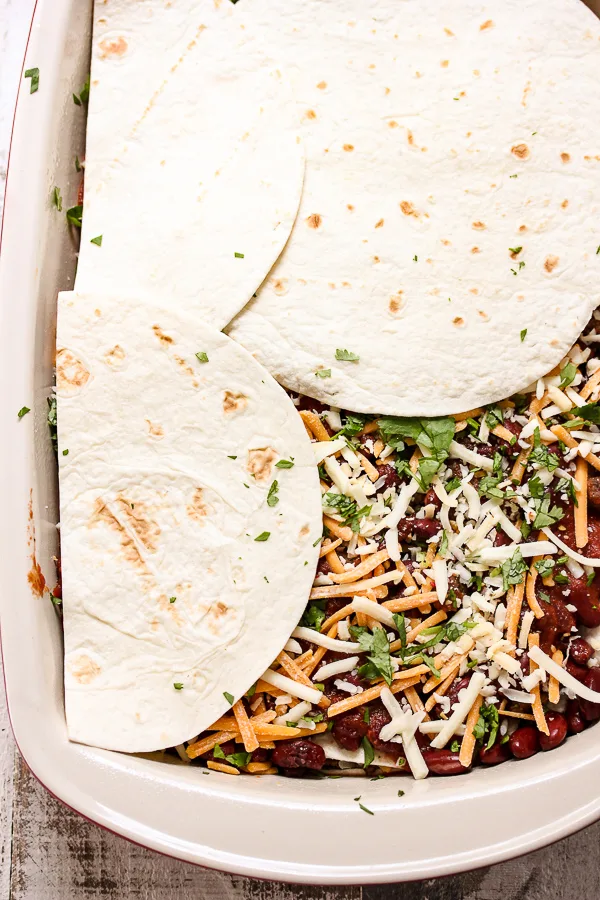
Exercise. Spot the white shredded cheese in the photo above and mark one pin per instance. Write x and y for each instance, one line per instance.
(292, 646)
(322, 449)
(322, 640)
(407, 492)
(294, 714)
(302, 691)
(392, 544)
(584, 560)
(473, 499)
(343, 630)
(440, 576)
(469, 695)
(336, 668)
(567, 680)
(526, 624)
(469, 456)
(518, 696)
(374, 610)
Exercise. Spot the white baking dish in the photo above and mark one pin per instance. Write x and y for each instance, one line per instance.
(309, 831)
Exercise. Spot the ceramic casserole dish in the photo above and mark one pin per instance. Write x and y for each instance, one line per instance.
(279, 828)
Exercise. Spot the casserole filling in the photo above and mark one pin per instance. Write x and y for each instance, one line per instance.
(455, 614)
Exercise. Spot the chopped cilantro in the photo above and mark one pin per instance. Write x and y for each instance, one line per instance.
(97, 240)
(401, 793)
(544, 567)
(366, 715)
(23, 412)
(202, 356)
(228, 697)
(590, 412)
(400, 623)
(74, 215)
(454, 747)
(272, 498)
(51, 419)
(541, 455)
(34, 74)
(238, 255)
(590, 578)
(494, 416)
(515, 250)
(536, 487)
(236, 759)
(561, 578)
(443, 548)
(65, 453)
(567, 375)
(232, 457)
(314, 615)
(353, 424)
(432, 435)
(368, 750)
(284, 464)
(513, 569)
(172, 599)
(523, 334)
(263, 536)
(78, 165)
(84, 95)
(431, 666)
(364, 809)
(178, 685)
(346, 355)
(56, 198)
(545, 516)
(323, 373)
(545, 597)
(377, 648)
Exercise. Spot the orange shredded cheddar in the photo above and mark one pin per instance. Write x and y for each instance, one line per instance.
(267, 745)
(537, 405)
(443, 687)
(335, 563)
(372, 472)
(222, 767)
(413, 462)
(553, 683)
(518, 469)
(514, 603)
(313, 422)
(407, 579)
(532, 600)
(502, 432)
(401, 604)
(207, 743)
(416, 704)
(432, 683)
(590, 385)
(297, 674)
(563, 435)
(342, 590)
(340, 531)
(328, 545)
(538, 710)
(580, 512)
(516, 715)
(258, 768)
(413, 676)
(468, 742)
(245, 727)
(470, 414)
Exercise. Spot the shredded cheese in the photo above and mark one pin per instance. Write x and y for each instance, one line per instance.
(461, 712)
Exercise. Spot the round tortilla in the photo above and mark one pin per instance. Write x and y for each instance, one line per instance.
(187, 552)
(448, 229)
(196, 201)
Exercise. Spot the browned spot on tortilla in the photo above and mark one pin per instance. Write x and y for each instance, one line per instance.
(476, 72)
(304, 531)
(522, 228)
(346, 284)
(387, 90)
(514, 253)
(458, 321)
(260, 463)
(380, 223)
(376, 259)
(84, 669)
(487, 24)
(473, 290)
(550, 263)
(410, 138)
(311, 114)
(408, 209)
(445, 63)
(564, 204)
(314, 220)
(478, 226)
(448, 32)
(70, 371)
(129, 518)
(483, 315)
(115, 356)
(155, 430)
(566, 157)
(526, 91)
(234, 402)
(197, 508)
(446, 243)
(350, 207)
(348, 148)
(279, 286)
(396, 302)
(392, 123)
(116, 47)
(186, 368)
(521, 151)
(97, 312)
(322, 85)
(475, 250)
(35, 577)
(163, 338)
(219, 609)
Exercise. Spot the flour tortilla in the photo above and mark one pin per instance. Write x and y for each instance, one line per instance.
(198, 200)
(440, 135)
(163, 493)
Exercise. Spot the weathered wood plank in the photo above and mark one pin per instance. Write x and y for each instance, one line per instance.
(59, 856)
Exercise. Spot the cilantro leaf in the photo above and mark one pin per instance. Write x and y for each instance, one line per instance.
(23, 412)
(34, 74)
(544, 567)
(494, 416)
(513, 569)
(377, 648)
(202, 356)
(400, 622)
(369, 751)
(523, 335)
(284, 464)
(97, 240)
(536, 488)
(545, 516)
(263, 536)
(74, 215)
(346, 355)
(314, 615)
(228, 697)
(567, 375)
(323, 373)
(56, 198)
(590, 412)
(272, 498)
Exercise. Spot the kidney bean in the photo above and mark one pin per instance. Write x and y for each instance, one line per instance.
(557, 726)
(349, 729)
(578, 672)
(593, 544)
(298, 753)
(501, 539)
(524, 660)
(575, 721)
(478, 447)
(323, 567)
(586, 598)
(331, 691)
(499, 753)
(589, 710)
(443, 762)
(311, 405)
(379, 717)
(334, 604)
(456, 687)
(431, 498)
(557, 619)
(580, 651)
(593, 491)
(389, 472)
(260, 755)
(524, 742)
(422, 529)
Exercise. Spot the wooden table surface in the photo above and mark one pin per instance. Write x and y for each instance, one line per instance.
(49, 853)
